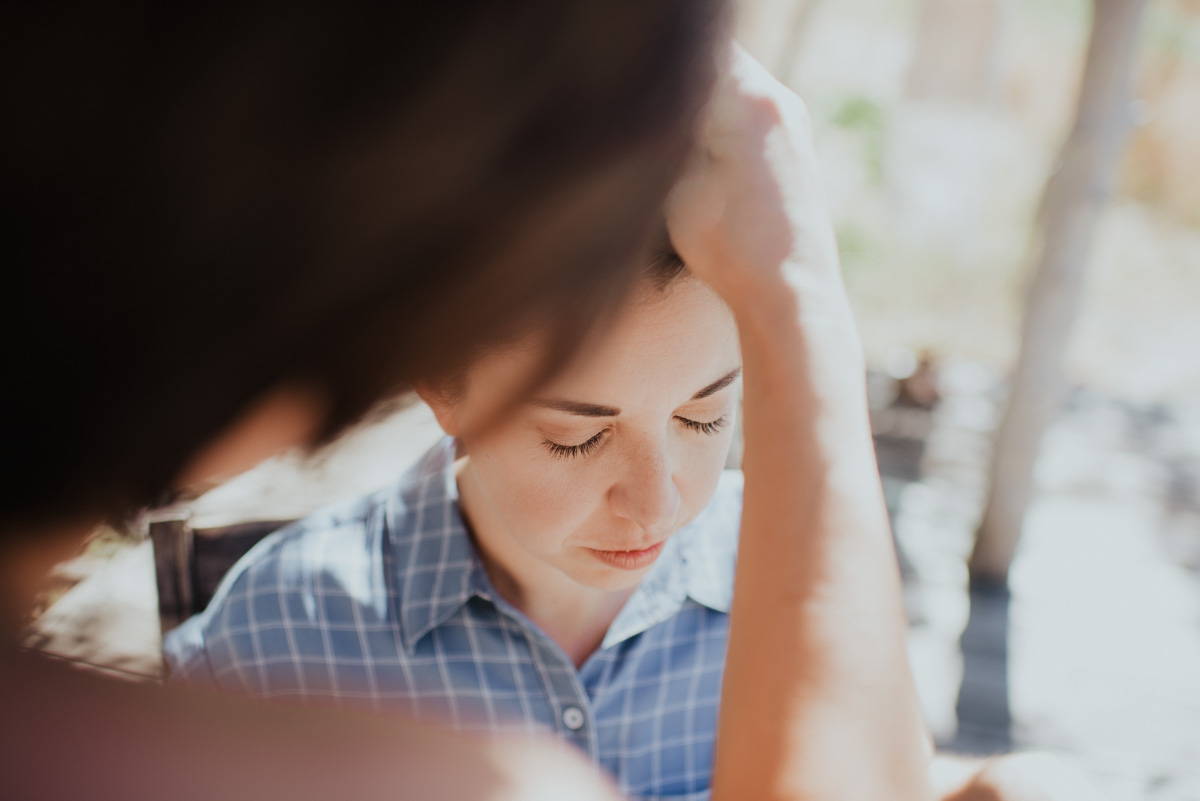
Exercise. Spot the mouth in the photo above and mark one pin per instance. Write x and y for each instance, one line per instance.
(630, 560)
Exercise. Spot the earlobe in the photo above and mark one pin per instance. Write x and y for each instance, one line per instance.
(437, 399)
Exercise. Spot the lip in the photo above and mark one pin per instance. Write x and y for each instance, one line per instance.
(630, 560)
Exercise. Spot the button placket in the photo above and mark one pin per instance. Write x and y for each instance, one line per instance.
(561, 681)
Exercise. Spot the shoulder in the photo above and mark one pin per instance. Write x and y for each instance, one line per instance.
(339, 549)
(330, 548)
(322, 572)
(291, 597)
(297, 612)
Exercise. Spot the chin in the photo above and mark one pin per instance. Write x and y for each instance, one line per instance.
(608, 579)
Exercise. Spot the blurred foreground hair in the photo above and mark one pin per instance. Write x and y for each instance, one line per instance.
(209, 201)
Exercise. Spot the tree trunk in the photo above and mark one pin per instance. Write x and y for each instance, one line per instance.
(1071, 205)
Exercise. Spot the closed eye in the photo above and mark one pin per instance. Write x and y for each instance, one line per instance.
(571, 451)
(709, 428)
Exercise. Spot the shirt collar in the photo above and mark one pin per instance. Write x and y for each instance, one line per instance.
(431, 548)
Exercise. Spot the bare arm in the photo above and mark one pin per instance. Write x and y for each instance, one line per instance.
(818, 699)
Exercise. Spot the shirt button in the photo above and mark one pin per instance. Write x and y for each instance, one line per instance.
(573, 718)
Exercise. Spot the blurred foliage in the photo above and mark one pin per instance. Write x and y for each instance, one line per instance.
(1162, 160)
(858, 249)
(867, 117)
(1173, 28)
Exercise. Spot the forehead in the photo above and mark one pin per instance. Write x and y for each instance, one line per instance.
(661, 348)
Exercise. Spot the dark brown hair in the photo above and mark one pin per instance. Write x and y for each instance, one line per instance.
(210, 200)
(665, 268)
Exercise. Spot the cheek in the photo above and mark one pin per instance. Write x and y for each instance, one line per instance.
(541, 501)
(698, 480)
(701, 468)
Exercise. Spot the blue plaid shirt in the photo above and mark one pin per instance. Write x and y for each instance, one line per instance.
(385, 603)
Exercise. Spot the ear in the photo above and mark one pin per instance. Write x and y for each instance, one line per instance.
(439, 399)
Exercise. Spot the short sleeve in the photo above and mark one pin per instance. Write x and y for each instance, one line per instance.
(186, 655)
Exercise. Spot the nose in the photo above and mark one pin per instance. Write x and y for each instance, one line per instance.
(646, 493)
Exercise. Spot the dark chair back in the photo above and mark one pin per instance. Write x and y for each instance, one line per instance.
(189, 562)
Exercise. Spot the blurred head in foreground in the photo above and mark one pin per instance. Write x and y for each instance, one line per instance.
(213, 206)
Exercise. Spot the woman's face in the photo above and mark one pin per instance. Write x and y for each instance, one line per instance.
(592, 475)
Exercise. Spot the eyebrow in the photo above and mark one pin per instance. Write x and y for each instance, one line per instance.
(719, 384)
(596, 410)
(574, 407)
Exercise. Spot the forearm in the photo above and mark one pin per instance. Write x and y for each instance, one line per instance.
(818, 700)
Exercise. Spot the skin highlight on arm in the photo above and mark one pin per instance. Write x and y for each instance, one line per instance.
(818, 701)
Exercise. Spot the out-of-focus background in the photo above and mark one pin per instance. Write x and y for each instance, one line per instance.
(938, 132)
(939, 123)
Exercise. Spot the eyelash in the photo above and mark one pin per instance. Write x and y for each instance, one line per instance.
(585, 448)
(705, 428)
(571, 451)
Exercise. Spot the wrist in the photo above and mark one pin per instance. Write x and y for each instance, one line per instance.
(796, 309)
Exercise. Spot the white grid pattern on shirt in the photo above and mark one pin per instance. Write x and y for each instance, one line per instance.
(294, 621)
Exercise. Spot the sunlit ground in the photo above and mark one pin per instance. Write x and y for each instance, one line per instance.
(1095, 654)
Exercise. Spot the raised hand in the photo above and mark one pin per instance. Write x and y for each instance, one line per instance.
(748, 212)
